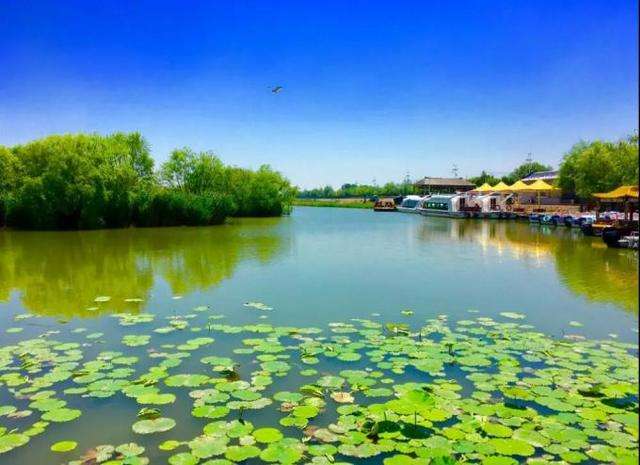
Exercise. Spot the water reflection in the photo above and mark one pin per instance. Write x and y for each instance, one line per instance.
(61, 273)
(337, 256)
(584, 265)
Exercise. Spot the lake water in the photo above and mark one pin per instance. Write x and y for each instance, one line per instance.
(313, 268)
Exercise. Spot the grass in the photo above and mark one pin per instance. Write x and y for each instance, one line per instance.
(335, 203)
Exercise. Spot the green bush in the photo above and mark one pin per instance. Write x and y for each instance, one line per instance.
(174, 208)
(92, 181)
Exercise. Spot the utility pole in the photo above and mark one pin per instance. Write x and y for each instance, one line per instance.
(454, 170)
(406, 184)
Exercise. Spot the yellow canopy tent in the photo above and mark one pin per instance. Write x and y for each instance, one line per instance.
(484, 188)
(620, 193)
(500, 187)
(518, 186)
(539, 187)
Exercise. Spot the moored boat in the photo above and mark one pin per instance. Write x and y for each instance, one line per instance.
(614, 233)
(384, 205)
(443, 205)
(410, 204)
(551, 220)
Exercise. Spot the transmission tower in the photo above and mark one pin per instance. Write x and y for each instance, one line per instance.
(454, 170)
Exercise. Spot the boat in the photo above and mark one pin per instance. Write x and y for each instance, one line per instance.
(534, 218)
(614, 233)
(551, 220)
(492, 206)
(630, 241)
(410, 204)
(596, 227)
(384, 205)
(448, 205)
(583, 219)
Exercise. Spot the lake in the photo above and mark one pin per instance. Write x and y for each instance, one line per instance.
(323, 268)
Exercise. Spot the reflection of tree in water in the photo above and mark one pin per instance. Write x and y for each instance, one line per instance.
(61, 273)
(585, 265)
(600, 274)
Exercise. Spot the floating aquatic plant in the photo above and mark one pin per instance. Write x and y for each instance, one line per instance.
(477, 391)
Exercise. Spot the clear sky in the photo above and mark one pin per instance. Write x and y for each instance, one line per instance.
(372, 90)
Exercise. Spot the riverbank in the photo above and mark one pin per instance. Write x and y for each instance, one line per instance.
(335, 203)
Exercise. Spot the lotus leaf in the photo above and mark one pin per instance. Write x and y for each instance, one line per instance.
(64, 446)
(157, 425)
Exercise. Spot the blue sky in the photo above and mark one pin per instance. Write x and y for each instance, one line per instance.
(372, 90)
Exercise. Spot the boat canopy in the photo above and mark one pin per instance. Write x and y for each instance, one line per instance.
(620, 193)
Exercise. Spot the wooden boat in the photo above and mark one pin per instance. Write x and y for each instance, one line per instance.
(384, 205)
(595, 228)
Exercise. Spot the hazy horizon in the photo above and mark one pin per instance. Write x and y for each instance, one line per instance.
(368, 92)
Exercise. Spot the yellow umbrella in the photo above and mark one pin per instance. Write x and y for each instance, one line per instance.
(538, 187)
(484, 188)
(500, 187)
(518, 186)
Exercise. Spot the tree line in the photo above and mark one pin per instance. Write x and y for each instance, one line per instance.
(89, 181)
(358, 190)
(587, 168)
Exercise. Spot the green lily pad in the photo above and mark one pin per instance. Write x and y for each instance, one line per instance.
(61, 415)
(64, 446)
(267, 435)
(157, 425)
(512, 447)
(11, 441)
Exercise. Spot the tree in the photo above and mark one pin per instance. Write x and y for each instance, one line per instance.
(599, 166)
(484, 177)
(86, 181)
(525, 169)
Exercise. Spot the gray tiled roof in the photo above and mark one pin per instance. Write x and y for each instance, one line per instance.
(453, 182)
(541, 175)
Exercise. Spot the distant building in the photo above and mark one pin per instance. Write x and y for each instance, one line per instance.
(549, 177)
(443, 185)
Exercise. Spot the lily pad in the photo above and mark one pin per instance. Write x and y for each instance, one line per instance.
(157, 425)
(64, 446)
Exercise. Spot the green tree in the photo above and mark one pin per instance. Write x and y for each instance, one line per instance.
(599, 166)
(523, 170)
(484, 177)
(92, 181)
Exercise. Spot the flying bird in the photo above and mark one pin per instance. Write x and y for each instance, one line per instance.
(276, 89)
